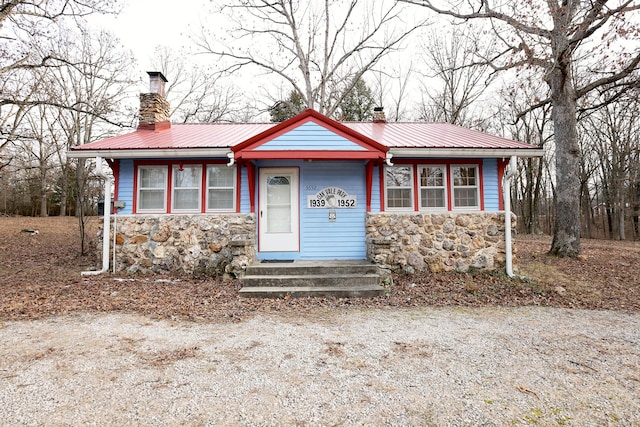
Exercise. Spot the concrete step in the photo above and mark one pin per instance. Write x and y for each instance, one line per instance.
(357, 278)
(353, 291)
(311, 280)
(311, 268)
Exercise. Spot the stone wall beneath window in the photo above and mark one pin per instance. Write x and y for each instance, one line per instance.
(219, 245)
(449, 241)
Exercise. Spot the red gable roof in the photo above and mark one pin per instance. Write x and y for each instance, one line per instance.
(372, 148)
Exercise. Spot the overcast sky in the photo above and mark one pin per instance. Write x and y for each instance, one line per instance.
(145, 24)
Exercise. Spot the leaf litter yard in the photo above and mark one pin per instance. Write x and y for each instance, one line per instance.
(560, 346)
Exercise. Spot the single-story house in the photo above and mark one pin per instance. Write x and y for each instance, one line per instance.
(217, 197)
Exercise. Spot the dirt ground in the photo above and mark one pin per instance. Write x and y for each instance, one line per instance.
(40, 277)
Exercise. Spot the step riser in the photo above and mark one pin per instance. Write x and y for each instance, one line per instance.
(317, 281)
(312, 279)
(262, 270)
(336, 292)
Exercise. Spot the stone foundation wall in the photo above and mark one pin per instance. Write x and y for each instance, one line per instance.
(409, 242)
(223, 245)
(220, 245)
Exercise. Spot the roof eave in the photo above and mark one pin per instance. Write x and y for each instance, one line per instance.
(150, 153)
(467, 152)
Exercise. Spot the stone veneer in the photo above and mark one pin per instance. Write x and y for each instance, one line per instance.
(448, 241)
(154, 108)
(220, 245)
(223, 245)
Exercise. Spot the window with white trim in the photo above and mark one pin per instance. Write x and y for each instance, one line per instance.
(399, 187)
(221, 180)
(466, 188)
(152, 185)
(187, 181)
(432, 181)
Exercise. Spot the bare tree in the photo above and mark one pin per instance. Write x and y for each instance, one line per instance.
(26, 25)
(322, 48)
(548, 36)
(613, 134)
(102, 85)
(40, 153)
(392, 87)
(531, 190)
(196, 93)
(85, 99)
(454, 84)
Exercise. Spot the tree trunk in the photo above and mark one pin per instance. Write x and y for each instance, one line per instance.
(63, 200)
(44, 212)
(80, 181)
(586, 210)
(43, 204)
(566, 237)
(64, 191)
(621, 231)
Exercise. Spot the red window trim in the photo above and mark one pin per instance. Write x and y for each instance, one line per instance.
(424, 162)
(169, 164)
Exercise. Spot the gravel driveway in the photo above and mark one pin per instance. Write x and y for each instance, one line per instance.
(457, 367)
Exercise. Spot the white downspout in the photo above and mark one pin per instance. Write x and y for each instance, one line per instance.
(506, 195)
(106, 226)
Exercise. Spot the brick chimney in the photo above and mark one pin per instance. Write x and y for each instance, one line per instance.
(378, 115)
(154, 108)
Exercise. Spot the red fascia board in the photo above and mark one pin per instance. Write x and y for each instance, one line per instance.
(317, 118)
(308, 155)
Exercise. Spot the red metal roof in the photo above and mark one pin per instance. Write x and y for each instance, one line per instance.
(211, 135)
(223, 135)
(431, 135)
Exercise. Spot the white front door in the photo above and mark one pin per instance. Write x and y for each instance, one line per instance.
(278, 223)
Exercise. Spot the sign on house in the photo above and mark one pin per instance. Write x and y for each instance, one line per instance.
(331, 198)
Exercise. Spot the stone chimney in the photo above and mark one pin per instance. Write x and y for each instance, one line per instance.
(378, 115)
(154, 108)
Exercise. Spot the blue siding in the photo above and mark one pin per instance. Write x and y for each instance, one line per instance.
(344, 238)
(491, 184)
(375, 190)
(310, 136)
(319, 238)
(243, 187)
(125, 186)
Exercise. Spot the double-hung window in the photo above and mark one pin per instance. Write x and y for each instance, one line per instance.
(466, 187)
(187, 182)
(152, 187)
(399, 187)
(433, 187)
(186, 188)
(220, 188)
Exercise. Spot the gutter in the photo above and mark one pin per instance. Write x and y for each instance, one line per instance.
(108, 180)
(150, 153)
(506, 195)
(466, 152)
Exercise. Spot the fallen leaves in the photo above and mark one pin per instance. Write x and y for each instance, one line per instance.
(40, 277)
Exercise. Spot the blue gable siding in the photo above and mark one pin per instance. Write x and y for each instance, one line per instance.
(491, 184)
(125, 186)
(344, 238)
(310, 136)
